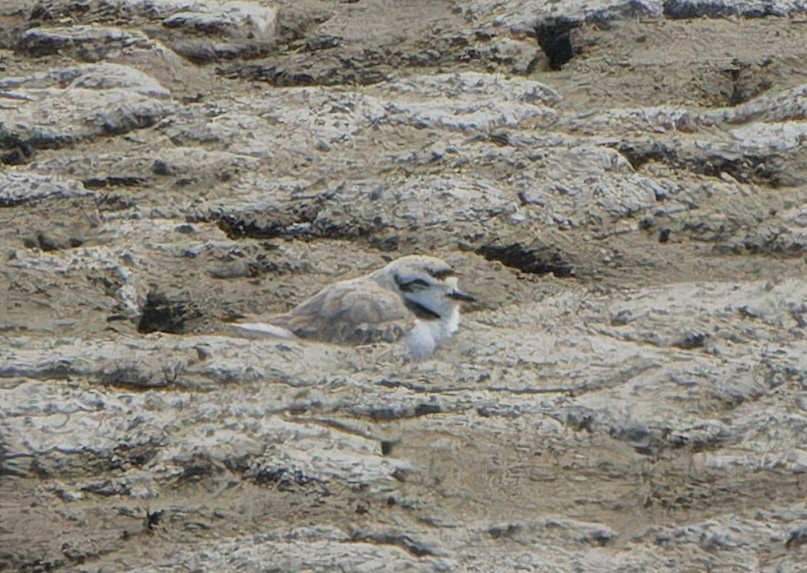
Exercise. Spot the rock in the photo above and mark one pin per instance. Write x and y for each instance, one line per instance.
(18, 188)
(779, 107)
(240, 26)
(89, 43)
(85, 102)
(233, 20)
(461, 103)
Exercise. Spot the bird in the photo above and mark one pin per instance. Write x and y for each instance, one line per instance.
(414, 300)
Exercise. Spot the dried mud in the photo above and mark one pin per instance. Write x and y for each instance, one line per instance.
(629, 393)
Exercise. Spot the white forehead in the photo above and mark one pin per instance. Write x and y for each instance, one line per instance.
(421, 263)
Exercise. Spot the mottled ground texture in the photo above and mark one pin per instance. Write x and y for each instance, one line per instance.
(623, 184)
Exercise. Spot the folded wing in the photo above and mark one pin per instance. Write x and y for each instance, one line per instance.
(352, 312)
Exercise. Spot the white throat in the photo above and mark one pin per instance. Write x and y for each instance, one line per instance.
(426, 335)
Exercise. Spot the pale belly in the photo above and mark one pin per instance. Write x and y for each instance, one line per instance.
(426, 335)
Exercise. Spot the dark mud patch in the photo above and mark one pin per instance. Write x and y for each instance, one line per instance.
(534, 258)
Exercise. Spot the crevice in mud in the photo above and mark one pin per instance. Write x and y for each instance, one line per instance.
(113, 181)
(161, 314)
(205, 52)
(112, 203)
(774, 245)
(138, 455)
(747, 81)
(303, 223)
(387, 413)
(691, 341)
(132, 376)
(17, 151)
(401, 541)
(200, 466)
(745, 168)
(256, 267)
(535, 258)
(289, 480)
(693, 9)
(555, 38)
(321, 42)
(689, 9)
(341, 70)
(49, 243)
(240, 228)
(644, 440)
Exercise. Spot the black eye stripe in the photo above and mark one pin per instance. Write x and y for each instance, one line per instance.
(441, 274)
(410, 285)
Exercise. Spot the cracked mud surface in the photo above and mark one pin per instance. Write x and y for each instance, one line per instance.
(623, 186)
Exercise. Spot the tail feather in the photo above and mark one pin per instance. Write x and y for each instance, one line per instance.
(258, 330)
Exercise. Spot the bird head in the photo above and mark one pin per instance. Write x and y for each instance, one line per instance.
(428, 285)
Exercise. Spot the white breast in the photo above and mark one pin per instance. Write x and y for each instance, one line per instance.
(426, 335)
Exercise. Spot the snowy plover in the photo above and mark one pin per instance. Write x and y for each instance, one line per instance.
(414, 299)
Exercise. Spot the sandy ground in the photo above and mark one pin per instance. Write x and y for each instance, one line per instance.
(629, 393)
